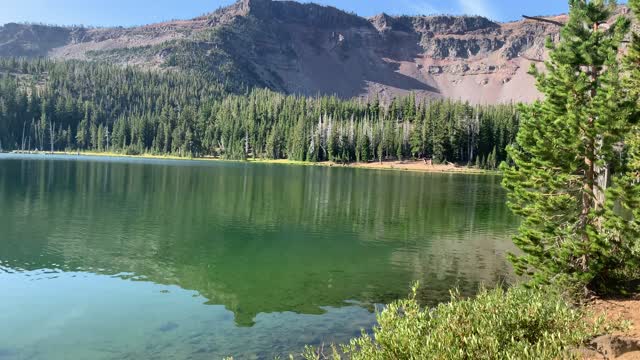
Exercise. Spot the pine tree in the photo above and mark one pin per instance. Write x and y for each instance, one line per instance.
(362, 145)
(100, 138)
(564, 152)
(626, 191)
(93, 135)
(297, 149)
(82, 133)
(43, 126)
(492, 162)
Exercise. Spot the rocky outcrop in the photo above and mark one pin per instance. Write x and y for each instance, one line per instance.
(454, 25)
(311, 49)
(616, 346)
(312, 15)
(23, 40)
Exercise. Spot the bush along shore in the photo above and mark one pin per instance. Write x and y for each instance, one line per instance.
(518, 323)
(573, 176)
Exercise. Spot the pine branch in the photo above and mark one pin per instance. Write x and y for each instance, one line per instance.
(531, 59)
(535, 18)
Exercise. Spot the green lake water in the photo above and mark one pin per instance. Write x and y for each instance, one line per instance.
(105, 258)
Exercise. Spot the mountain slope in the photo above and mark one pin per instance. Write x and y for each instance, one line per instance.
(310, 49)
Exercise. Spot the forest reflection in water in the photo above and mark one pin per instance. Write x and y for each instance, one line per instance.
(256, 240)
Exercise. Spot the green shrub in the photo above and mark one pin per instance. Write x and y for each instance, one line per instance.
(518, 323)
(133, 151)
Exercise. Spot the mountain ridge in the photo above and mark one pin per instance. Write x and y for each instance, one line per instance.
(312, 49)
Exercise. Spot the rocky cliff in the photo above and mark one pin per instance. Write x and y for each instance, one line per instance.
(311, 49)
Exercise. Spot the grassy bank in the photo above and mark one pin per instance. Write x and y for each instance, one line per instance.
(518, 323)
(408, 165)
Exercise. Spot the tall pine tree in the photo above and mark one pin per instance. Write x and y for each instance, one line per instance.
(626, 220)
(565, 154)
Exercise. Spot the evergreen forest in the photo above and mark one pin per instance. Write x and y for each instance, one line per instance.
(49, 105)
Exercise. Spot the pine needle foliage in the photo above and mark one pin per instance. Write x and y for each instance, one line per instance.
(568, 158)
(627, 190)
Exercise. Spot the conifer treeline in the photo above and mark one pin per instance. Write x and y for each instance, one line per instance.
(89, 106)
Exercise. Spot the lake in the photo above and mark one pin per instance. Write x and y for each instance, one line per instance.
(108, 258)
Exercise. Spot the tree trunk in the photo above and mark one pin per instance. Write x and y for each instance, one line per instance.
(22, 144)
(589, 200)
(51, 132)
(246, 144)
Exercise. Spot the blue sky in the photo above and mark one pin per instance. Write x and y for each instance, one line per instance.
(136, 12)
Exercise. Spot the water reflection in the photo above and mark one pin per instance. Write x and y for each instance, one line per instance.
(255, 239)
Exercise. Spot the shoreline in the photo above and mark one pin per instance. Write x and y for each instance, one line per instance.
(404, 166)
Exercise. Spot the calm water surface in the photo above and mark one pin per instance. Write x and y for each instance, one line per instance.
(142, 259)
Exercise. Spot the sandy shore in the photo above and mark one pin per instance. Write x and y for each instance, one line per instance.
(408, 165)
(417, 165)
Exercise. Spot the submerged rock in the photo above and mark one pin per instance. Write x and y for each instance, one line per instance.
(169, 326)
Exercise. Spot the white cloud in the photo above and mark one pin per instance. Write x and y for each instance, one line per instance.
(476, 7)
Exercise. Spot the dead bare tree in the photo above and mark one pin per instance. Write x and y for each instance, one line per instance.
(51, 132)
(107, 135)
(22, 144)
